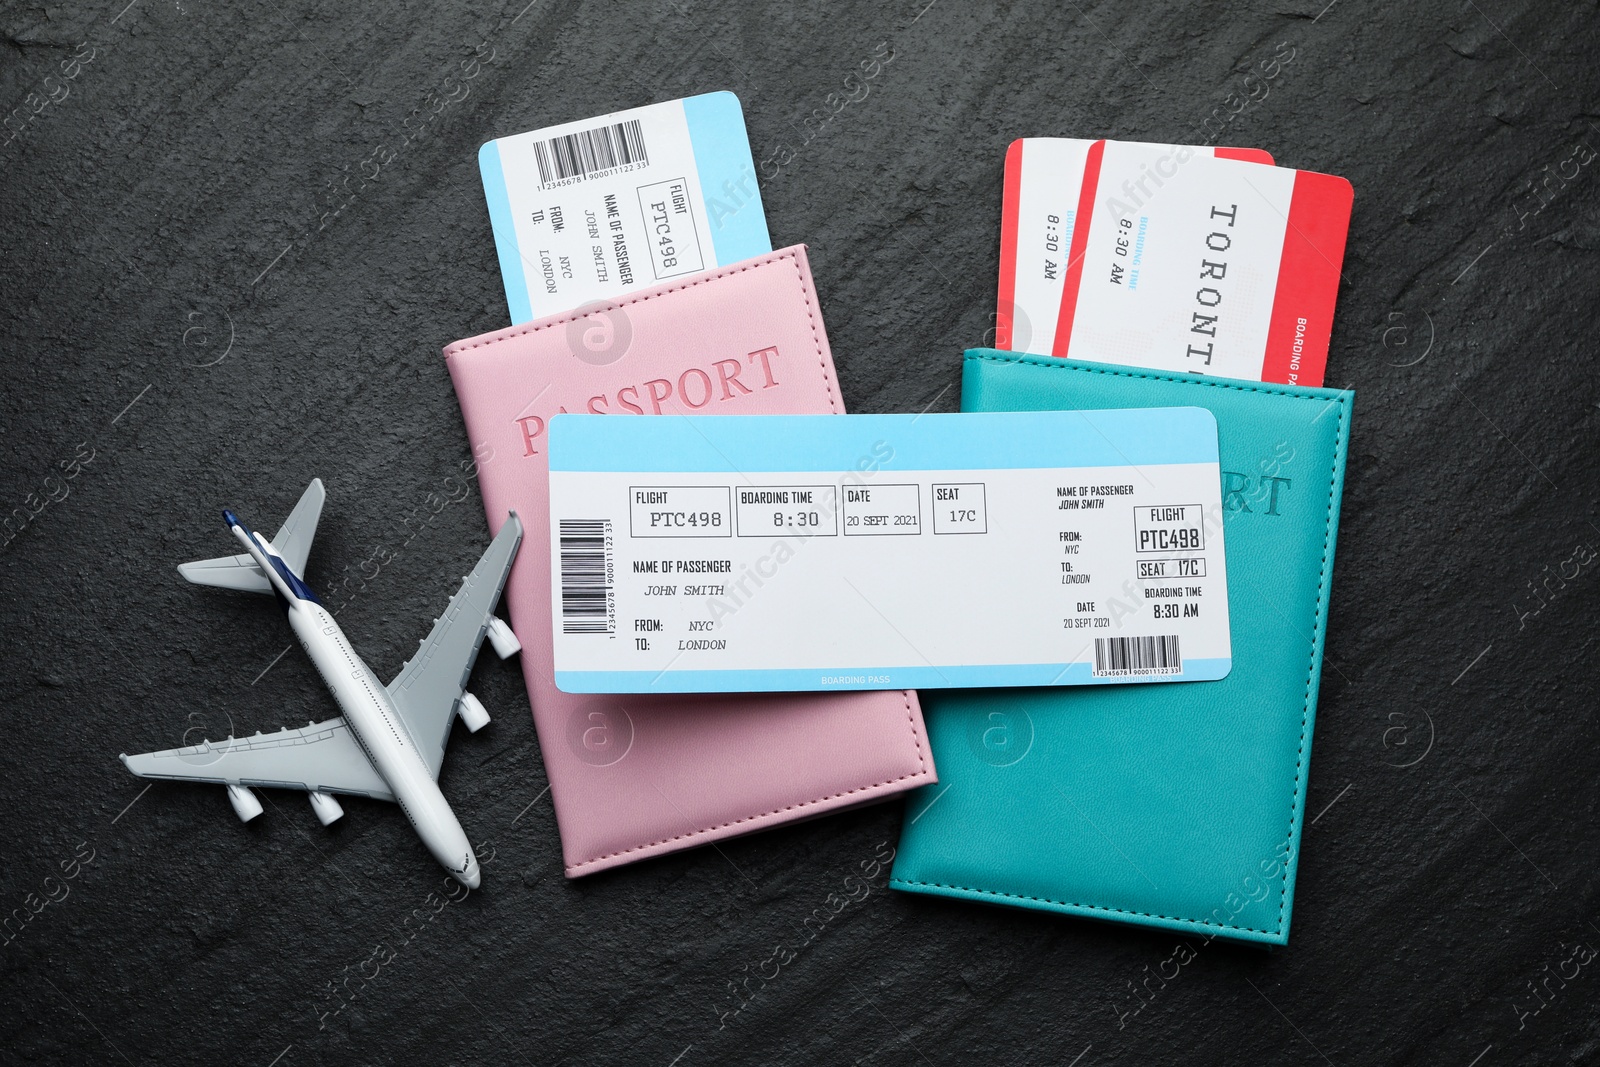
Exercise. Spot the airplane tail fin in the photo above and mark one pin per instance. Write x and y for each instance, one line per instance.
(292, 542)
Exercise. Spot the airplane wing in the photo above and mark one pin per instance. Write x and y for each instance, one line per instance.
(433, 682)
(293, 542)
(321, 757)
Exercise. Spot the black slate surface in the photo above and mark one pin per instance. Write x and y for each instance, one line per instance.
(212, 291)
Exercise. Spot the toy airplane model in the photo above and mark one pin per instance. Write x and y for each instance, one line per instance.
(390, 742)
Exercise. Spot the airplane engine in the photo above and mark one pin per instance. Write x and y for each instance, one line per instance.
(472, 712)
(245, 804)
(500, 636)
(327, 809)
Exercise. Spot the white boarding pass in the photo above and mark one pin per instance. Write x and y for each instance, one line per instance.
(708, 554)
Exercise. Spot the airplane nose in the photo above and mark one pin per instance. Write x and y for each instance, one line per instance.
(230, 518)
(470, 874)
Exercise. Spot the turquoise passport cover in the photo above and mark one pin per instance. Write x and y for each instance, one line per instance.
(1175, 805)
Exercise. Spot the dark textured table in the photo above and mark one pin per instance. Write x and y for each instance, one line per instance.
(235, 238)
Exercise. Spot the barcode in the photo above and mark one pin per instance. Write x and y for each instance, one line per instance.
(585, 577)
(1117, 654)
(588, 152)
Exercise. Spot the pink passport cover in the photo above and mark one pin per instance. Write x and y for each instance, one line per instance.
(636, 776)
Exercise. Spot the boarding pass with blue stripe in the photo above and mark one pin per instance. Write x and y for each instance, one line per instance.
(834, 552)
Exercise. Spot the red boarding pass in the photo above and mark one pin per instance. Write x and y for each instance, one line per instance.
(1189, 259)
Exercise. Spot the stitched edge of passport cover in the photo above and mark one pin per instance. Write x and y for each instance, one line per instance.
(1314, 660)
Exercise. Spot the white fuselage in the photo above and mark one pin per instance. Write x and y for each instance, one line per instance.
(377, 725)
